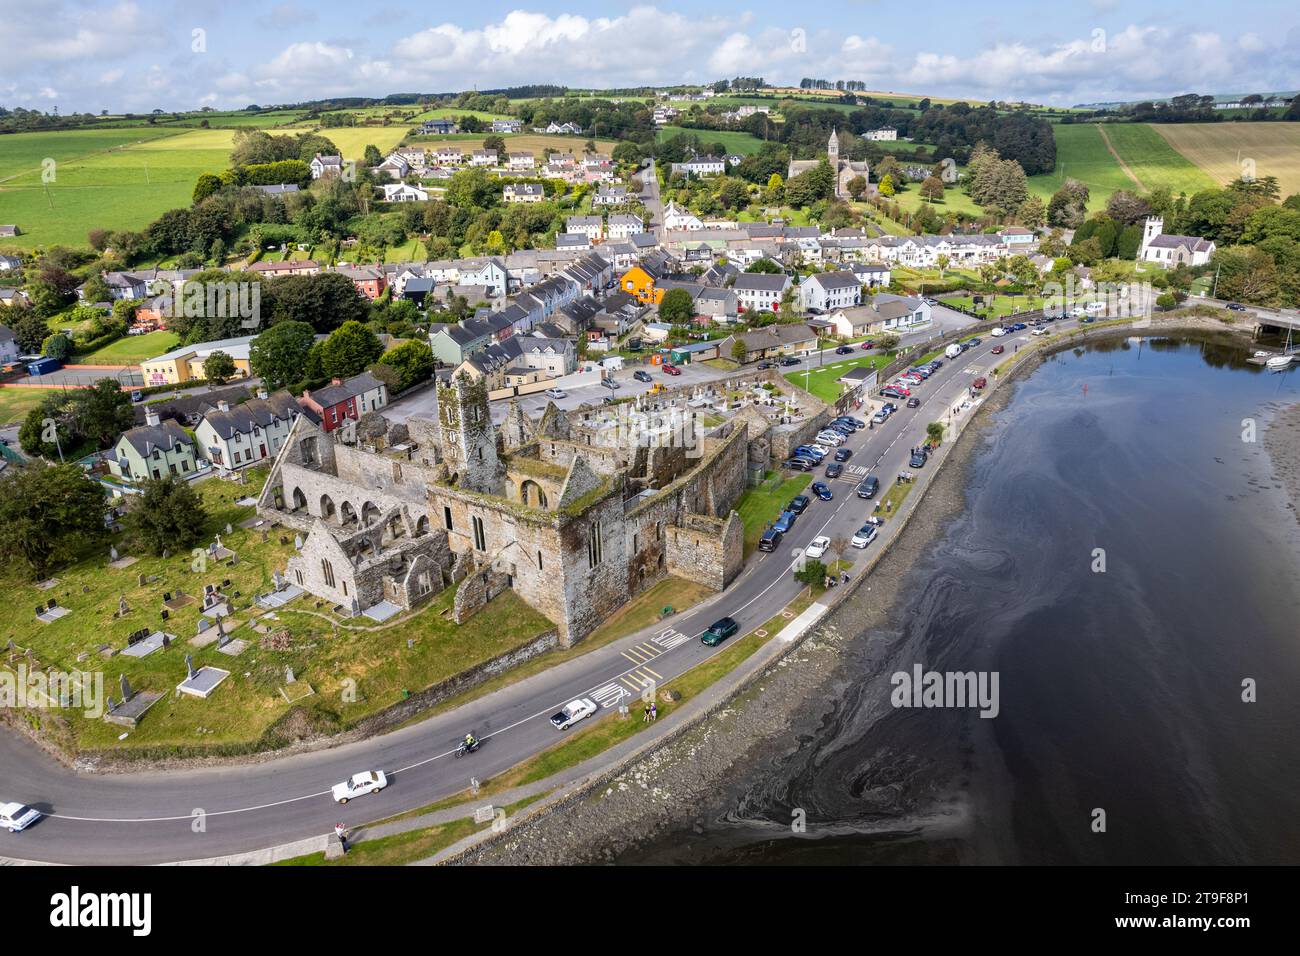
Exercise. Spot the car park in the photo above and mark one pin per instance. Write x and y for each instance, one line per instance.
(864, 536)
(671, 369)
(913, 403)
(843, 454)
(868, 487)
(785, 521)
(996, 350)
(798, 504)
(556, 393)
(719, 631)
(372, 781)
(918, 459)
(834, 469)
(16, 817)
(771, 540)
(979, 382)
(572, 712)
(817, 547)
(822, 490)
(641, 375)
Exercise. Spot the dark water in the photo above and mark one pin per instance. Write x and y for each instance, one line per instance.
(1118, 690)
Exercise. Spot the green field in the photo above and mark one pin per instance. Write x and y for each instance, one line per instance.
(15, 403)
(995, 306)
(761, 505)
(23, 153)
(1081, 154)
(742, 143)
(1153, 161)
(131, 349)
(120, 189)
(824, 382)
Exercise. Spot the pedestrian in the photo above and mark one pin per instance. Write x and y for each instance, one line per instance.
(889, 507)
(844, 577)
(654, 711)
(341, 832)
(645, 716)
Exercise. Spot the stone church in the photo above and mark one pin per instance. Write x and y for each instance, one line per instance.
(845, 169)
(577, 511)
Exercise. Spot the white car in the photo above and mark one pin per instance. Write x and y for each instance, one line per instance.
(372, 781)
(556, 393)
(17, 816)
(998, 332)
(1039, 331)
(573, 712)
(817, 546)
(833, 438)
(864, 536)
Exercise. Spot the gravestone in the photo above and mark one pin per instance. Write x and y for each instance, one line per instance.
(189, 666)
(167, 641)
(166, 553)
(289, 677)
(122, 608)
(278, 578)
(266, 536)
(297, 541)
(229, 529)
(141, 580)
(125, 687)
(112, 553)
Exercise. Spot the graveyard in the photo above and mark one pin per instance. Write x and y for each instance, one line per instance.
(194, 664)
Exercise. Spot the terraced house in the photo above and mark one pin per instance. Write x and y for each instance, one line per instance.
(244, 434)
(155, 449)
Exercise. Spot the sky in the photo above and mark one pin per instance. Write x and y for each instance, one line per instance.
(138, 55)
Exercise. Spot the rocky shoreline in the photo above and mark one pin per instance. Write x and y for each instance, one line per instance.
(703, 770)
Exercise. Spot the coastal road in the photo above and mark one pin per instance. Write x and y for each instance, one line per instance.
(202, 813)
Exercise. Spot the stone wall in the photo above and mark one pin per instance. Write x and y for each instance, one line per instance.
(707, 550)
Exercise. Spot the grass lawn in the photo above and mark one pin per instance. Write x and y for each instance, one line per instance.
(645, 608)
(355, 669)
(410, 251)
(15, 403)
(131, 349)
(761, 505)
(824, 382)
(996, 306)
(736, 142)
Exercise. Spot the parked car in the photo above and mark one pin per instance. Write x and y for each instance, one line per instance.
(719, 631)
(868, 487)
(771, 540)
(16, 817)
(902, 388)
(812, 450)
(843, 454)
(817, 547)
(830, 437)
(889, 407)
(996, 350)
(1019, 327)
(798, 504)
(671, 369)
(763, 365)
(572, 712)
(785, 522)
(974, 342)
(890, 392)
(556, 393)
(880, 417)
(913, 403)
(919, 458)
(789, 360)
(868, 345)
(979, 382)
(1236, 307)
(998, 332)
(609, 383)
(834, 469)
(1039, 331)
(822, 490)
(137, 395)
(844, 350)
(799, 464)
(372, 781)
(641, 375)
(864, 536)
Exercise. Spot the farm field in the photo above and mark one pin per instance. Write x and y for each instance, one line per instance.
(123, 189)
(1081, 154)
(353, 140)
(24, 152)
(1153, 161)
(736, 142)
(1219, 148)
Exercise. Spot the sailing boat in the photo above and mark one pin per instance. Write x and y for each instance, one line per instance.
(1279, 363)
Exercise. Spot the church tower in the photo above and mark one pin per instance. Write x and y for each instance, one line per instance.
(833, 151)
(469, 440)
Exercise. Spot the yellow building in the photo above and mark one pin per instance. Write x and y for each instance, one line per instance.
(185, 364)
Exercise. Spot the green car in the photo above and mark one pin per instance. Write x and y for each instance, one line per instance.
(719, 631)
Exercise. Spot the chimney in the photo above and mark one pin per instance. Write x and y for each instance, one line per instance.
(150, 416)
(223, 406)
(336, 381)
(262, 393)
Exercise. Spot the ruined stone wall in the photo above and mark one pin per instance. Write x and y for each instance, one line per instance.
(391, 473)
(708, 550)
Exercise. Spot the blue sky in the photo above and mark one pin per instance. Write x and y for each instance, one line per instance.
(138, 55)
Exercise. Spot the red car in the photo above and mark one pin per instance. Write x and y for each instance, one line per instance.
(997, 350)
(979, 382)
(868, 344)
(671, 369)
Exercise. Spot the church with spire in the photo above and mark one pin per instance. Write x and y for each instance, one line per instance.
(845, 169)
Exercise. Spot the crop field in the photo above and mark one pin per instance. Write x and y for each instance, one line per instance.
(1153, 161)
(1219, 149)
(353, 140)
(743, 143)
(123, 188)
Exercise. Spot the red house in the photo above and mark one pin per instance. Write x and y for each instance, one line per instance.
(369, 281)
(344, 399)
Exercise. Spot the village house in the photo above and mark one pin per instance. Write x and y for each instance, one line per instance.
(344, 399)
(831, 290)
(592, 226)
(185, 364)
(523, 192)
(522, 160)
(449, 156)
(701, 166)
(610, 196)
(483, 157)
(286, 267)
(402, 192)
(639, 281)
(507, 125)
(623, 226)
(155, 449)
(369, 280)
(760, 291)
(244, 434)
(326, 167)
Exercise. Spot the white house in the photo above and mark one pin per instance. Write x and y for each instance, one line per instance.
(621, 227)
(523, 192)
(701, 166)
(483, 157)
(676, 218)
(401, 192)
(591, 226)
(882, 135)
(831, 290)
(233, 437)
(610, 196)
(449, 156)
(326, 167)
(1172, 250)
(760, 290)
(522, 160)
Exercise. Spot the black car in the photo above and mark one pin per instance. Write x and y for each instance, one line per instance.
(849, 423)
(789, 360)
(763, 365)
(973, 342)
(889, 392)
(843, 454)
(919, 458)
(868, 487)
(799, 464)
(822, 490)
(844, 350)
(913, 403)
(834, 469)
(798, 504)
(641, 375)
(771, 540)
(1236, 307)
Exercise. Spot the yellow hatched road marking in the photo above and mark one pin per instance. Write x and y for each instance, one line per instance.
(657, 676)
(630, 684)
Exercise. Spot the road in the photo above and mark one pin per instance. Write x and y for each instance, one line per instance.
(424, 403)
(152, 817)
(650, 199)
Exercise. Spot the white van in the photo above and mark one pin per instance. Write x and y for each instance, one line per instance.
(953, 351)
(1096, 308)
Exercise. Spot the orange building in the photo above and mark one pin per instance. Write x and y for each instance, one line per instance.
(639, 281)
